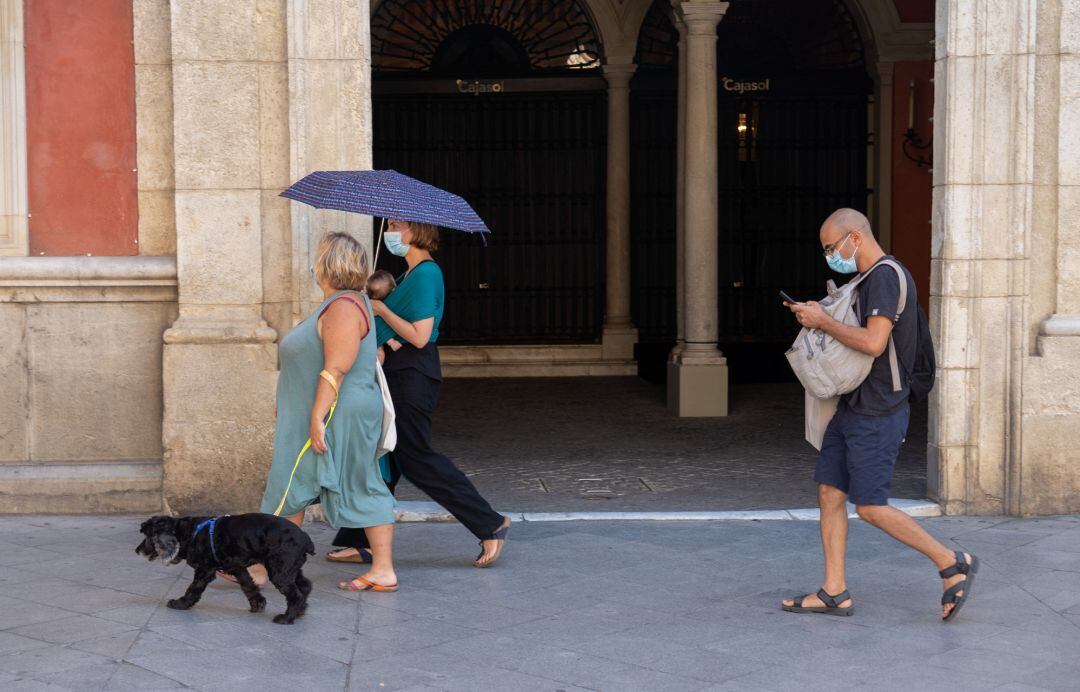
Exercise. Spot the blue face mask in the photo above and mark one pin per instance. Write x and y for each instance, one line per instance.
(840, 265)
(392, 241)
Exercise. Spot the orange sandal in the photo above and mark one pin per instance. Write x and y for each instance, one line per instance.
(366, 586)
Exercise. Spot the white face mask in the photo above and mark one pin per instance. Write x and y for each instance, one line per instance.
(392, 241)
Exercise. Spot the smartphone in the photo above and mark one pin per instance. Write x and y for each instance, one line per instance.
(788, 298)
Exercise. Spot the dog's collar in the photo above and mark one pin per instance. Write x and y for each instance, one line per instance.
(212, 522)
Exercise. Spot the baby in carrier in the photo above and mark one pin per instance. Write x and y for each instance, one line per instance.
(380, 284)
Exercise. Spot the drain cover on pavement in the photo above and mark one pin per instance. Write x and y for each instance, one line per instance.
(595, 488)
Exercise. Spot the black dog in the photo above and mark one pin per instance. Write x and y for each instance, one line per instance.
(231, 544)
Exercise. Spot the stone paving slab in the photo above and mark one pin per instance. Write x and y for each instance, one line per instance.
(571, 606)
(610, 444)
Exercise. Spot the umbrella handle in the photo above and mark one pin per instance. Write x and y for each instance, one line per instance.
(378, 244)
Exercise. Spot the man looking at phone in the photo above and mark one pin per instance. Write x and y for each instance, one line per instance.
(862, 441)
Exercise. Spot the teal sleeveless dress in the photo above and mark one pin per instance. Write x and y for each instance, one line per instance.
(346, 481)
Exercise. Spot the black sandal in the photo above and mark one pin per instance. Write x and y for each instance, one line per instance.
(362, 557)
(968, 569)
(832, 604)
(499, 535)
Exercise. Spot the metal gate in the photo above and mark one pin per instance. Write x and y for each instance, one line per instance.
(792, 98)
(785, 163)
(652, 213)
(532, 165)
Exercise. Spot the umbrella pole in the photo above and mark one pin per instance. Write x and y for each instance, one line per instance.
(378, 244)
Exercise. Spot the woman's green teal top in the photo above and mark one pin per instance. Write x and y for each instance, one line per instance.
(419, 295)
(346, 480)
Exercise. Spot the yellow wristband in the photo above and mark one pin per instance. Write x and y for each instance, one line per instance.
(330, 378)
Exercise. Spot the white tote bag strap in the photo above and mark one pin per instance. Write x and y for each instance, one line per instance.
(388, 438)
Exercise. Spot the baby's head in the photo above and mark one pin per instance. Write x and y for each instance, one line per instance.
(380, 284)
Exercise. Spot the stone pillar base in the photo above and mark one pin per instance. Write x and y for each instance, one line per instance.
(618, 343)
(676, 351)
(218, 429)
(697, 390)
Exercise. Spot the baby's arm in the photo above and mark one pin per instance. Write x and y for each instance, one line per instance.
(380, 354)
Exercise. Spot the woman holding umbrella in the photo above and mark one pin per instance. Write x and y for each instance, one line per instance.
(412, 314)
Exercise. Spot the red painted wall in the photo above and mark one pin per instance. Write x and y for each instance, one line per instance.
(912, 184)
(915, 10)
(80, 127)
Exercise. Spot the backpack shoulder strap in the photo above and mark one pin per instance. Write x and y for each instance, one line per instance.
(894, 364)
(902, 303)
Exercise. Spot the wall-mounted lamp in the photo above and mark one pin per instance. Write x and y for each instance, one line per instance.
(912, 141)
(747, 129)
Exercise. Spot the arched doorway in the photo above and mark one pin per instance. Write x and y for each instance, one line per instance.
(793, 106)
(502, 104)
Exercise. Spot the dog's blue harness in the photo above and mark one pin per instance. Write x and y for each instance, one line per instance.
(211, 523)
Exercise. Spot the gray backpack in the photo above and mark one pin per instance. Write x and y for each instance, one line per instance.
(827, 368)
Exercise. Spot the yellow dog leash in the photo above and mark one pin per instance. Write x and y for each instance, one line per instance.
(307, 445)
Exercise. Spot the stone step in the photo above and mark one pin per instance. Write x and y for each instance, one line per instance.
(572, 360)
(80, 487)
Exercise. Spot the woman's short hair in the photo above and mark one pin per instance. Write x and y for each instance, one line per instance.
(342, 261)
(424, 236)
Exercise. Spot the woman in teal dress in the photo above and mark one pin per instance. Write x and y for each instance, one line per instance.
(411, 315)
(329, 414)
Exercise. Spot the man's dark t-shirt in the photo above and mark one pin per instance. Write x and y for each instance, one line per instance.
(879, 295)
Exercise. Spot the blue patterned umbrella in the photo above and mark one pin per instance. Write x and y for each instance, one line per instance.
(387, 194)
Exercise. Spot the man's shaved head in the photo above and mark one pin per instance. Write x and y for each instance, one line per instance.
(844, 220)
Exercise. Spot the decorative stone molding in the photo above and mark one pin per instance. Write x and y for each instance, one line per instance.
(87, 279)
(14, 206)
(889, 39)
(1062, 325)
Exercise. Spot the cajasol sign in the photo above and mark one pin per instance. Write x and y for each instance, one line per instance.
(740, 86)
(477, 87)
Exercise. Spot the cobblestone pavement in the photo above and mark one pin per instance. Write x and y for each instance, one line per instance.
(589, 605)
(610, 444)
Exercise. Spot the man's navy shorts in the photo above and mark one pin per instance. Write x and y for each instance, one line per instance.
(859, 452)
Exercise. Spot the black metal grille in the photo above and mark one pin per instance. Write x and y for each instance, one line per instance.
(809, 158)
(785, 37)
(658, 41)
(801, 154)
(426, 36)
(652, 212)
(532, 166)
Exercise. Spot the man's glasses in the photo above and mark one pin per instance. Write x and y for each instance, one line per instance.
(829, 249)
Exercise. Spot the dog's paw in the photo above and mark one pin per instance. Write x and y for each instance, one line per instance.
(284, 619)
(258, 605)
(178, 604)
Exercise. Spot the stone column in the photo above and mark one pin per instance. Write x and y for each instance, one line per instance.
(619, 333)
(883, 144)
(1048, 478)
(329, 117)
(220, 358)
(13, 201)
(698, 379)
(1005, 311)
(680, 191)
